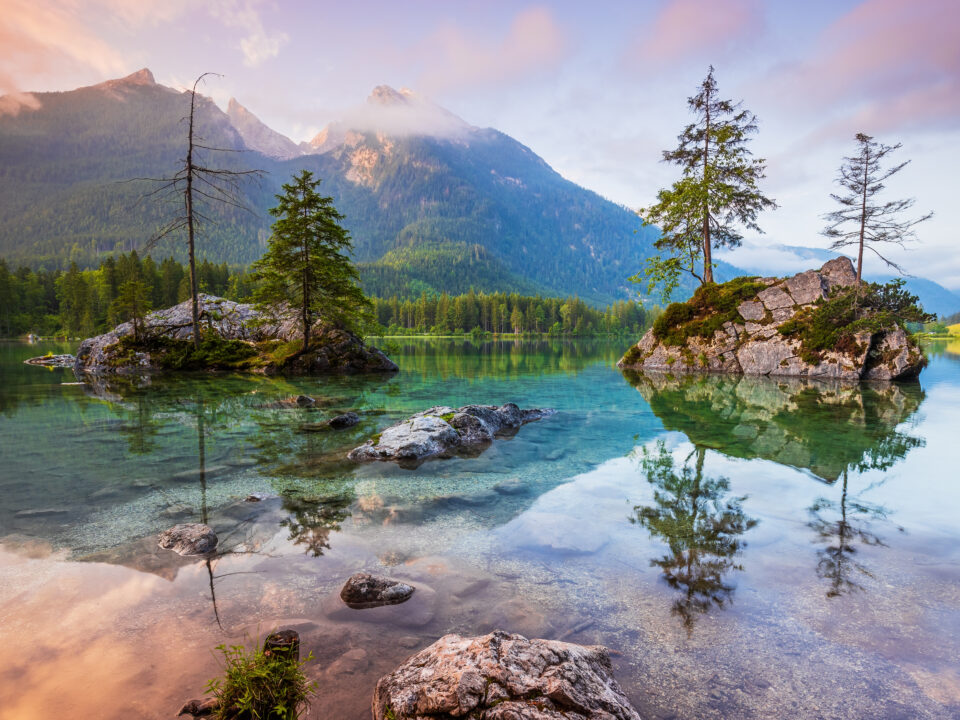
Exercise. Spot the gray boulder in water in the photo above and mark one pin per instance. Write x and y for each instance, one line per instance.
(189, 539)
(442, 430)
(332, 350)
(503, 677)
(364, 590)
(758, 341)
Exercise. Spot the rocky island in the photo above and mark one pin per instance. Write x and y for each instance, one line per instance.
(235, 337)
(816, 324)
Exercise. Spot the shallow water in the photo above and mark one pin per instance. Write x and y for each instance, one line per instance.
(789, 551)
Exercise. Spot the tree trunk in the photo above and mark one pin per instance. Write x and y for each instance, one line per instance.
(195, 311)
(306, 293)
(863, 219)
(707, 258)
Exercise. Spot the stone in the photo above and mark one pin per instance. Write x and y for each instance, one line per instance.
(892, 358)
(838, 272)
(441, 430)
(41, 512)
(774, 297)
(305, 401)
(807, 287)
(759, 348)
(345, 420)
(351, 662)
(364, 590)
(200, 707)
(503, 677)
(189, 539)
(751, 310)
(333, 350)
(60, 361)
(176, 510)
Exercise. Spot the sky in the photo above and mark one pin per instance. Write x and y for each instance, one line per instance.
(597, 89)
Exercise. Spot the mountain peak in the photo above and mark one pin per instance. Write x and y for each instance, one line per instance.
(140, 77)
(386, 95)
(258, 136)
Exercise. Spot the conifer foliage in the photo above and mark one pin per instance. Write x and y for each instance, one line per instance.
(716, 194)
(306, 266)
(861, 219)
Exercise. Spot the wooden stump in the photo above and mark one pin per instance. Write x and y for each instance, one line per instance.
(283, 641)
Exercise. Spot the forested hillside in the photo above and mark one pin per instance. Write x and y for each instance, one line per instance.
(426, 212)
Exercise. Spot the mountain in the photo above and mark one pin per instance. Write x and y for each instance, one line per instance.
(258, 136)
(934, 297)
(433, 203)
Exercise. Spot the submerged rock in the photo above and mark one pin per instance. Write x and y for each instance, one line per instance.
(364, 590)
(343, 421)
(332, 350)
(503, 677)
(442, 430)
(757, 341)
(189, 539)
(62, 361)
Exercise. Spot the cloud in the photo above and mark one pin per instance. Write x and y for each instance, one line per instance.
(688, 30)
(41, 36)
(533, 43)
(886, 65)
(258, 45)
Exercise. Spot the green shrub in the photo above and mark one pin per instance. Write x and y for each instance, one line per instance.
(706, 312)
(261, 685)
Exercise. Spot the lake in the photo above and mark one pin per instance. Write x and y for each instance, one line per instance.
(747, 548)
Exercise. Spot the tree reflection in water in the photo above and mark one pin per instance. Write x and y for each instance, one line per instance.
(700, 524)
(311, 521)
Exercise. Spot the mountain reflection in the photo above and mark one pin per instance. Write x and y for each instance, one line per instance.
(825, 428)
(701, 526)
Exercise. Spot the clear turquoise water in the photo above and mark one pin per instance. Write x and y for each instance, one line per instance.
(748, 548)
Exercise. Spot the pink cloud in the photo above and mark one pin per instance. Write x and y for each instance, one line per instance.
(887, 65)
(697, 30)
(533, 43)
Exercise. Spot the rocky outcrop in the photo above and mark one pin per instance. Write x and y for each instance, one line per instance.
(503, 677)
(441, 431)
(189, 539)
(332, 351)
(364, 590)
(60, 361)
(751, 341)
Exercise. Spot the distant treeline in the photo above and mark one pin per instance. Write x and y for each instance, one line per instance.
(507, 313)
(81, 303)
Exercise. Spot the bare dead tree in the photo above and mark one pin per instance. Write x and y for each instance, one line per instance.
(194, 181)
(870, 222)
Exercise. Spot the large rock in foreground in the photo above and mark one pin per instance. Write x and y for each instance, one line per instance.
(750, 326)
(332, 350)
(503, 677)
(441, 430)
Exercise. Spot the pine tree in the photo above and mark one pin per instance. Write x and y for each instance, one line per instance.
(132, 304)
(305, 266)
(717, 191)
(873, 223)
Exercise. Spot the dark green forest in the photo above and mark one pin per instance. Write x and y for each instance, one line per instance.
(82, 302)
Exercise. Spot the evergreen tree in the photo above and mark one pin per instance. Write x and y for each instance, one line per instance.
(873, 223)
(132, 304)
(717, 191)
(305, 266)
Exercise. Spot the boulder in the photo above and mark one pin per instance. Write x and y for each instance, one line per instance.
(61, 361)
(757, 347)
(503, 677)
(442, 430)
(189, 539)
(332, 350)
(364, 590)
(345, 420)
